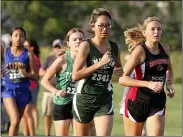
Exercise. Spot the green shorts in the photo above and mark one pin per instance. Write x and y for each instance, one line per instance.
(86, 107)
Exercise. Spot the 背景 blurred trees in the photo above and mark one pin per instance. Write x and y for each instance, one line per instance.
(47, 20)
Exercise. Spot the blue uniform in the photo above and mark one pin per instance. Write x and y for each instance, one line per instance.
(14, 86)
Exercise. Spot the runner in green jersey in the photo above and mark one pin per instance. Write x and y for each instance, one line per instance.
(65, 89)
(94, 90)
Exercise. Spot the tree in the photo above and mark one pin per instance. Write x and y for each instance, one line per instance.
(48, 20)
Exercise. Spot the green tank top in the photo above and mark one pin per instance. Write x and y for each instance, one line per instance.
(64, 82)
(100, 82)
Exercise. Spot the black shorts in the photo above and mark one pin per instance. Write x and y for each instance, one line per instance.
(62, 112)
(138, 110)
(86, 107)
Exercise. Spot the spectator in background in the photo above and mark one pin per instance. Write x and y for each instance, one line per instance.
(47, 101)
(32, 46)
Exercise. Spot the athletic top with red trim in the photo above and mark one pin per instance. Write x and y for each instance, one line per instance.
(152, 69)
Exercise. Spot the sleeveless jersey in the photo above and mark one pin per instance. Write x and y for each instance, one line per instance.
(152, 69)
(13, 78)
(64, 82)
(100, 81)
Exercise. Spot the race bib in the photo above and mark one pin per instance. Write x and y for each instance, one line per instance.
(14, 76)
(157, 79)
(100, 77)
(70, 88)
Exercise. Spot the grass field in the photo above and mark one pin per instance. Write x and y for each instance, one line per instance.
(173, 114)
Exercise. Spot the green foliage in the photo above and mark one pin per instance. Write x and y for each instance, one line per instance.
(47, 20)
(129, 13)
(49, 26)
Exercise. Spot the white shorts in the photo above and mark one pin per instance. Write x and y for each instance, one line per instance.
(122, 109)
(47, 103)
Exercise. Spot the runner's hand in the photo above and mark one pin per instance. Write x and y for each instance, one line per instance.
(106, 58)
(155, 86)
(60, 93)
(170, 88)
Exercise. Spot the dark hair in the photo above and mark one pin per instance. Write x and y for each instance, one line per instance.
(97, 13)
(33, 43)
(18, 28)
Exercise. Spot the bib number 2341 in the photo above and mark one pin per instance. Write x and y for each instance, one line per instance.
(100, 77)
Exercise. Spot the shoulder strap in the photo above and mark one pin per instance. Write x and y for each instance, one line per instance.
(114, 46)
(162, 49)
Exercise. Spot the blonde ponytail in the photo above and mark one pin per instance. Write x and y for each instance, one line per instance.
(133, 37)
